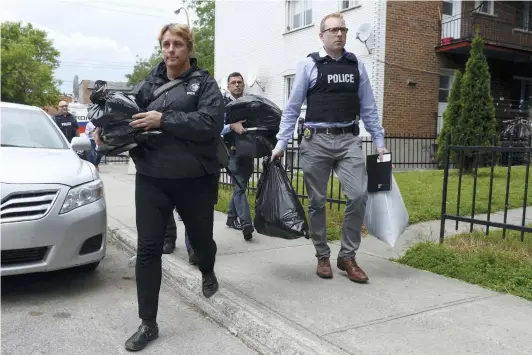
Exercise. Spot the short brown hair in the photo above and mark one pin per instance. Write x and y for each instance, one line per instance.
(180, 30)
(333, 15)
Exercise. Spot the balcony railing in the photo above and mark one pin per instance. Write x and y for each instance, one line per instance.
(493, 31)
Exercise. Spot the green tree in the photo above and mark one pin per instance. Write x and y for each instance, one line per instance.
(143, 67)
(477, 123)
(451, 116)
(203, 32)
(28, 63)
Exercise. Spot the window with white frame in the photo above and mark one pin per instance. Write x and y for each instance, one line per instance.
(298, 14)
(289, 83)
(524, 15)
(347, 4)
(521, 92)
(485, 7)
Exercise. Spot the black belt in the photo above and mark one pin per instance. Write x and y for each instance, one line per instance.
(332, 130)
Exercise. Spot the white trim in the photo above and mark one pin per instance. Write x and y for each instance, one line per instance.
(378, 56)
(525, 78)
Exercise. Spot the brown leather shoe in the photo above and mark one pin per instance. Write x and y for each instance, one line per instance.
(324, 268)
(354, 272)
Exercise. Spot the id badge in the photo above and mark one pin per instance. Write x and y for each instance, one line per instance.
(307, 133)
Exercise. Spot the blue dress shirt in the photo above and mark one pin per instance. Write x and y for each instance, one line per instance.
(305, 78)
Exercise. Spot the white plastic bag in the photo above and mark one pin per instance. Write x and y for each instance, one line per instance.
(386, 215)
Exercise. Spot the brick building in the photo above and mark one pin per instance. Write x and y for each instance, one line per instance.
(415, 47)
(86, 87)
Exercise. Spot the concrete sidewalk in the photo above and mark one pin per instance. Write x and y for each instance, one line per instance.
(272, 299)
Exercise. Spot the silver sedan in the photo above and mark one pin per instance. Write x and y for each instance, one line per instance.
(53, 212)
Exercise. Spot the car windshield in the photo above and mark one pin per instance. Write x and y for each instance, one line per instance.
(29, 129)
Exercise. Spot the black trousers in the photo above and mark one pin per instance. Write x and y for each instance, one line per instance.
(155, 199)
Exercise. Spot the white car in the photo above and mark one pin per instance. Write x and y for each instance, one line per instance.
(53, 213)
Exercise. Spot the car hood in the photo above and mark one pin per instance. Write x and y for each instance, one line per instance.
(43, 166)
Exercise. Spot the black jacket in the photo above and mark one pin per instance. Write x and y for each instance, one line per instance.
(192, 121)
(67, 124)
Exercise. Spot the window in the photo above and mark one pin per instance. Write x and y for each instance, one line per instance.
(299, 14)
(524, 16)
(485, 7)
(445, 87)
(347, 4)
(521, 92)
(448, 8)
(29, 129)
(289, 82)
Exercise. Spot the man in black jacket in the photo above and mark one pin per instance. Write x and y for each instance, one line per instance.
(66, 122)
(176, 168)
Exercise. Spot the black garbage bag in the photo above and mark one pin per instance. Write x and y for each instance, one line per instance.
(258, 111)
(278, 211)
(255, 144)
(113, 111)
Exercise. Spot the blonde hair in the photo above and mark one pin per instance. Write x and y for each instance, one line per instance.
(337, 15)
(180, 30)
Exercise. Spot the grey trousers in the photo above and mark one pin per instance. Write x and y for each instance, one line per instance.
(343, 153)
(242, 168)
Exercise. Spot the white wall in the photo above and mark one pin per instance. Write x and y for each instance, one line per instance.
(250, 36)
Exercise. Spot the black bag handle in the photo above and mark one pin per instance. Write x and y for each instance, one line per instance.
(171, 84)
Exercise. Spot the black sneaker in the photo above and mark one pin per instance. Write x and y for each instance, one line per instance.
(142, 337)
(247, 230)
(168, 247)
(233, 223)
(209, 284)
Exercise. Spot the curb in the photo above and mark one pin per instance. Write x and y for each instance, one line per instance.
(260, 328)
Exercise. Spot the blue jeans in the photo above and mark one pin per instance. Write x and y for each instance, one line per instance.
(94, 157)
(242, 169)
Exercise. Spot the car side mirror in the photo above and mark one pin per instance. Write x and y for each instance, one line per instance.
(80, 143)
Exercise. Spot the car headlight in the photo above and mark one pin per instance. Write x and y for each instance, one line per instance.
(82, 195)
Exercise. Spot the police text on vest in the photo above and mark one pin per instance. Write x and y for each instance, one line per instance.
(340, 78)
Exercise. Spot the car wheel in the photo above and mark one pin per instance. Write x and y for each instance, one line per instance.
(89, 267)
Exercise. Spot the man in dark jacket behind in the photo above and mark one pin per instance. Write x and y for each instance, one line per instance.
(66, 122)
(176, 168)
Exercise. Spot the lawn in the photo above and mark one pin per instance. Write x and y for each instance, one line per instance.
(422, 194)
(487, 261)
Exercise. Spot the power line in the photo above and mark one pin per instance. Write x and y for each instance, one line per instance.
(160, 11)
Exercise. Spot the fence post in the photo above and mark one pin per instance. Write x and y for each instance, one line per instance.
(445, 181)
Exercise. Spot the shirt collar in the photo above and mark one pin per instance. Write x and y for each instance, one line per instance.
(323, 53)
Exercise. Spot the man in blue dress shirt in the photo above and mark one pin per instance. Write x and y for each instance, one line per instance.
(338, 92)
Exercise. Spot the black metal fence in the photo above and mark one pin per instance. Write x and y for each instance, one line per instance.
(408, 152)
(468, 159)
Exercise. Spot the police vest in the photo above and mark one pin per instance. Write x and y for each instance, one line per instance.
(334, 97)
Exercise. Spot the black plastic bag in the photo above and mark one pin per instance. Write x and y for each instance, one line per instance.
(278, 211)
(255, 144)
(112, 112)
(258, 111)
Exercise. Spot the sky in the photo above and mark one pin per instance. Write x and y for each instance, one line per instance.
(97, 39)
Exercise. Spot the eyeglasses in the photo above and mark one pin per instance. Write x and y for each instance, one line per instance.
(63, 106)
(334, 30)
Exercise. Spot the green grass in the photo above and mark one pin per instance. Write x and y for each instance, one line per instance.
(503, 265)
(422, 194)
